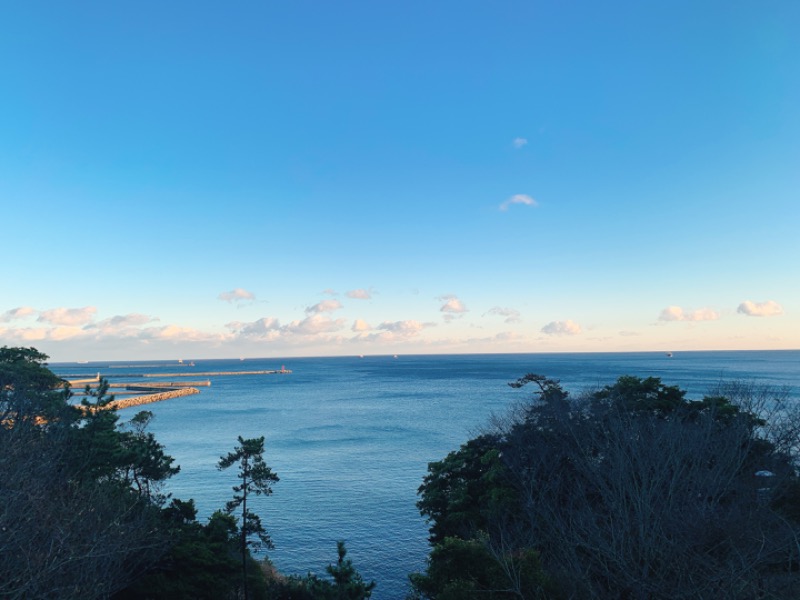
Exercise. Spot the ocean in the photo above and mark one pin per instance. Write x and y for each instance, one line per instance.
(351, 437)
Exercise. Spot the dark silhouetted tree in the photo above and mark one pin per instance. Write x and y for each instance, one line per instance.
(78, 515)
(631, 491)
(256, 478)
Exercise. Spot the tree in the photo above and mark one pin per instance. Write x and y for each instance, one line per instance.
(202, 562)
(346, 583)
(256, 478)
(73, 523)
(631, 491)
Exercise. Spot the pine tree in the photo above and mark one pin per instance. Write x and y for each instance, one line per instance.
(256, 478)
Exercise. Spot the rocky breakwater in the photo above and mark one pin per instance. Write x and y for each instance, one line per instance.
(150, 398)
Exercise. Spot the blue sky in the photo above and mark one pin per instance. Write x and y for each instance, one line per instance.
(191, 179)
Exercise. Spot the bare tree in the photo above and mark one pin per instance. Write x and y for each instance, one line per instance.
(651, 501)
(631, 491)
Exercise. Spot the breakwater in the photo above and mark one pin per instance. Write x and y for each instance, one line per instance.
(145, 399)
(158, 385)
(157, 391)
(215, 373)
(150, 398)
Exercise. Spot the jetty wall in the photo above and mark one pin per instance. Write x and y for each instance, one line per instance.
(215, 373)
(157, 385)
(150, 398)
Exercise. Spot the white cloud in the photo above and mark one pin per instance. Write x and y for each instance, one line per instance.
(392, 332)
(770, 308)
(67, 316)
(262, 327)
(177, 333)
(323, 307)
(313, 325)
(519, 142)
(237, 295)
(360, 325)
(676, 313)
(17, 313)
(119, 322)
(511, 315)
(671, 313)
(359, 294)
(518, 199)
(562, 328)
(404, 328)
(452, 305)
(330, 292)
(40, 334)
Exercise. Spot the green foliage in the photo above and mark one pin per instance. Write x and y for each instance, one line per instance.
(202, 562)
(256, 479)
(29, 390)
(630, 491)
(78, 508)
(346, 583)
(82, 514)
(635, 394)
(462, 569)
(460, 493)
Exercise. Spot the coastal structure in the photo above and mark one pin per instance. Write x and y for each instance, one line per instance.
(156, 391)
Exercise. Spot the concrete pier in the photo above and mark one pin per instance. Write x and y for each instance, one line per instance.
(217, 373)
(160, 384)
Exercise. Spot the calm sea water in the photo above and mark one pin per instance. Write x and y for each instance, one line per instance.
(351, 438)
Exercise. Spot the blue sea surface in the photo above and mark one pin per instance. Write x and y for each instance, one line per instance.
(351, 437)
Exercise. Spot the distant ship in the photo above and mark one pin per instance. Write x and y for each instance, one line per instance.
(669, 354)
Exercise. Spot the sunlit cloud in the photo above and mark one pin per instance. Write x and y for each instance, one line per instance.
(259, 328)
(562, 328)
(519, 142)
(323, 307)
(359, 294)
(518, 199)
(67, 316)
(452, 308)
(120, 322)
(17, 313)
(409, 327)
(313, 325)
(511, 315)
(770, 308)
(40, 334)
(360, 325)
(502, 337)
(177, 333)
(395, 331)
(237, 295)
(676, 313)
(330, 292)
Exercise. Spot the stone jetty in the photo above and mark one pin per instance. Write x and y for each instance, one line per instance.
(150, 398)
(146, 399)
(159, 385)
(157, 391)
(215, 373)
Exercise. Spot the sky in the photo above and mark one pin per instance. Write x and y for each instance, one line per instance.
(278, 179)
